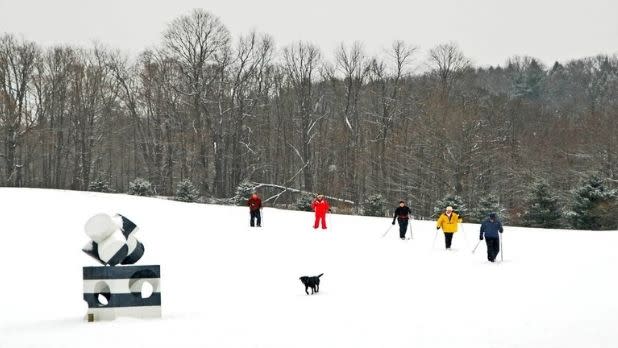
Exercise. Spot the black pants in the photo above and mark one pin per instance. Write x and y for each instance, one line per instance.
(493, 248)
(448, 238)
(403, 227)
(255, 214)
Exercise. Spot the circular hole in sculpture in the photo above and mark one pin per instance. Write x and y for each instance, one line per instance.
(103, 299)
(102, 293)
(143, 283)
(147, 289)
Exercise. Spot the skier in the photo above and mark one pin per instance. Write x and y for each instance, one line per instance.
(255, 204)
(320, 206)
(490, 228)
(402, 215)
(448, 223)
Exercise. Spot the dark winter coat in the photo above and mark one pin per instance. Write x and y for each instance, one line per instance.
(491, 228)
(402, 213)
(254, 203)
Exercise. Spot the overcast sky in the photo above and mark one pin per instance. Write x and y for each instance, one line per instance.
(488, 31)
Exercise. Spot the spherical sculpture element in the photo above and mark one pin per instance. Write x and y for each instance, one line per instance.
(100, 227)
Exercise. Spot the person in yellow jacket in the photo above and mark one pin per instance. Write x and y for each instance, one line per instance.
(448, 223)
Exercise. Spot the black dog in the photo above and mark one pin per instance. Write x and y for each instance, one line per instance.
(311, 282)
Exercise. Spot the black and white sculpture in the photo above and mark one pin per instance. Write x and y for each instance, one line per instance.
(128, 291)
(124, 290)
(113, 240)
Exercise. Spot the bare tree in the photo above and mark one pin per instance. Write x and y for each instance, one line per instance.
(301, 63)
(354, 65)
(17, 64)
(199, 44)
(252, 63)
(387, 79)
(448, 62)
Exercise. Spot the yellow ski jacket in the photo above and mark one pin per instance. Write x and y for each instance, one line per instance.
(447, 224)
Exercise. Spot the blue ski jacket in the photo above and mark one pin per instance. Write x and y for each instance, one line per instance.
(491, 228)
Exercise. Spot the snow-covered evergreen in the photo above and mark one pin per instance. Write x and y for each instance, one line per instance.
(487, 204)
(543, 207)
(303, 203)
(100, 186)
(450, 200)
(186, 191)
(594, 206)
(374, 205)
(140, 187)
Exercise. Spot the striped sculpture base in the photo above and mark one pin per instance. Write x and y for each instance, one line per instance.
(120, 291)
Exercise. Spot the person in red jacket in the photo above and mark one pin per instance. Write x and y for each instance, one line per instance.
(320, 206)
(255, 204)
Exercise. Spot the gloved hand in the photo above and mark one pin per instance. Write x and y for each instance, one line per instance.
(437, 228)
(481, 238)
(393, 222)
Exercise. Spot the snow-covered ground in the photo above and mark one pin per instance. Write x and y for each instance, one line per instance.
(227, 285)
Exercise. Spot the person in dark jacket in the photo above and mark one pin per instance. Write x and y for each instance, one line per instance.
(255, 204)
(491, 228)
(402, 214)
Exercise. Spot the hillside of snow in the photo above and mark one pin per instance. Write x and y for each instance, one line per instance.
(224, 284)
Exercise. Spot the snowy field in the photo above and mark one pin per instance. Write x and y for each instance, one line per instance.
(224, 284)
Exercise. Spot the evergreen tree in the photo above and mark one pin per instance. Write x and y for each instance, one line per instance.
(487, 204)
(528, 77)
(99, 186)
(374, 205)
(543, 209)
(303, 203)
(140, 187)
(594, 206)
(450, 200)
(186, 192)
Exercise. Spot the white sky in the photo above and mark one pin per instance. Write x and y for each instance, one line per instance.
(488, 31)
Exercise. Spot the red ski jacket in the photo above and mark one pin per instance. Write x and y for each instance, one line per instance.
(254, 203)
(320, 207)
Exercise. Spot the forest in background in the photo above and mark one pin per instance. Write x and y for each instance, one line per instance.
(217, 111)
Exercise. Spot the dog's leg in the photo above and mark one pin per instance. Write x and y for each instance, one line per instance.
(306, 288)
(317, 288)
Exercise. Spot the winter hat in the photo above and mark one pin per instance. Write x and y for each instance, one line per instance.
(492, 216)
(402, 202)
(449, 208)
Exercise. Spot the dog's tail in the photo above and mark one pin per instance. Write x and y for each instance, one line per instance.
(320, 275)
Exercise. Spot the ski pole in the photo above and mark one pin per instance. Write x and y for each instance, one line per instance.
(476, 246)
(410, 226)
(501, 250)
(387, 230)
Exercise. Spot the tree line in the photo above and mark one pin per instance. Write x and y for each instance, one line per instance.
(217, 111)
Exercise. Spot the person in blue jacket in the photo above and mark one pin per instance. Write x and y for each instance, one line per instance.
(490, 229)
